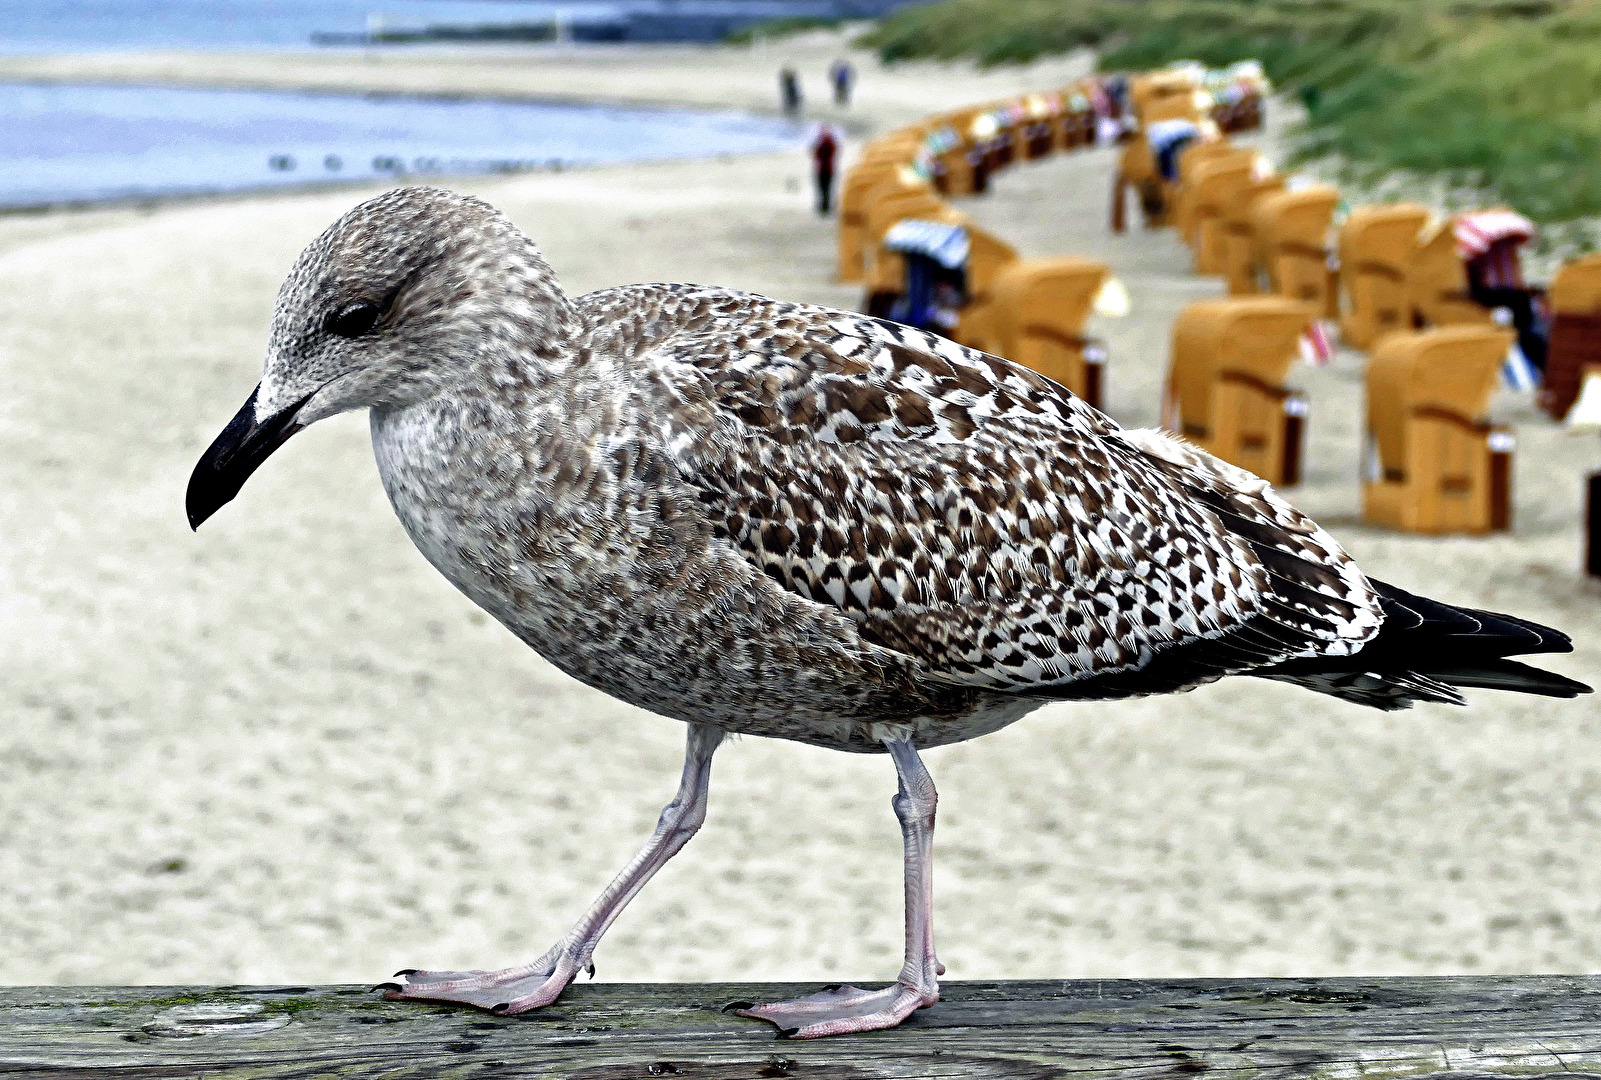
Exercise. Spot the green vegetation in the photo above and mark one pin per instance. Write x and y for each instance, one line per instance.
(165, 1002)
(1502, 97)
(772, 29)
(269, 1007)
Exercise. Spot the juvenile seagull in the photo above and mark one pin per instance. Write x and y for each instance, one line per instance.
(790, 521)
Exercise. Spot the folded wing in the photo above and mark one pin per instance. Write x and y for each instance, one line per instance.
(974, 515)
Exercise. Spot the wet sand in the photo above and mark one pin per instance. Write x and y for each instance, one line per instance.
(284, 750)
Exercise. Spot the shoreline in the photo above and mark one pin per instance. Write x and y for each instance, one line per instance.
(170, 199)
(169, 82)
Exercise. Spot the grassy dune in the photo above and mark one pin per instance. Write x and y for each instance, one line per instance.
(1499, 96)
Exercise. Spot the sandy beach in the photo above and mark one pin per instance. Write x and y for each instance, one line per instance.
(284, 750)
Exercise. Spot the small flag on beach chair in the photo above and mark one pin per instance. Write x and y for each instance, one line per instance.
(1317, 348)
(1517, 373)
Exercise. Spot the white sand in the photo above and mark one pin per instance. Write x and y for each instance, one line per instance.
(285, 750)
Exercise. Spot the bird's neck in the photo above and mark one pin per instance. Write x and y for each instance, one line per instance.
(529, 327)
(474, 475)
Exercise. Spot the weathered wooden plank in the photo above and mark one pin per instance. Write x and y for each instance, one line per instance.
(1340, 1029)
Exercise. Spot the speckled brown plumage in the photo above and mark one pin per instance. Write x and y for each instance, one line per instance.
(814, 522)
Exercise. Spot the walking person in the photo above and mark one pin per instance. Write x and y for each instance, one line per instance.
(825, 148)
(843, 76)
(789, 90)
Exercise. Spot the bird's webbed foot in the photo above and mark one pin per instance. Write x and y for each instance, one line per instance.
(841, 1010)
(506, 992)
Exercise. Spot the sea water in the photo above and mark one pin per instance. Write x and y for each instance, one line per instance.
(64, 144)
(33, 26)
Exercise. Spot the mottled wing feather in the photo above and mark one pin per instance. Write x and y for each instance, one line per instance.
(970, 513)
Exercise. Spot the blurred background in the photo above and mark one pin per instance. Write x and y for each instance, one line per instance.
(284, 750)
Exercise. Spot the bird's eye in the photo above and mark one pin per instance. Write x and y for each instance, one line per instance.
(354, 320)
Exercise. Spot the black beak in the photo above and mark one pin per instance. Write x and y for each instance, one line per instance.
(238, 451)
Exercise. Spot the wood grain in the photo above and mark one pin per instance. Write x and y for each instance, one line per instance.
(1476, 1028)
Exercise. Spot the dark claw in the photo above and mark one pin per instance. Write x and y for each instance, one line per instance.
(406, 971)
(396, 987)
(784, 1033)
(591, 969)
(735, 1006)
(831, 987)
(502, 1009)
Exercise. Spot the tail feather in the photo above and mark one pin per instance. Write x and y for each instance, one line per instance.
(1511, 675)
(1426, 648)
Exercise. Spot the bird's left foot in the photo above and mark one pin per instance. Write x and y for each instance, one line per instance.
(841, 1010)
(506, 992)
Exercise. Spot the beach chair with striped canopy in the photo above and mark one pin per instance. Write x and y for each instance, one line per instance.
(1437, 281)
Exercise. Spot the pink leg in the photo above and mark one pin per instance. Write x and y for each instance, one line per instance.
(840, 1010)
(519, 989)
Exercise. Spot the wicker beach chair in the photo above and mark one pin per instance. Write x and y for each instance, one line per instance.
(1376, 244)
(1137, 168)
(1292, 234)
(1437, 281)
(1574, 300)
(1181, 194)
(1149, 93)
(1225, 387)
(1242, 269)
(885, 272)
(864, 184)
(1216, 184)
(1434, 464)
(1040, 307)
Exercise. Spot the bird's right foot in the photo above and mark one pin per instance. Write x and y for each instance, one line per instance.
(840, 1010)
(506, 993)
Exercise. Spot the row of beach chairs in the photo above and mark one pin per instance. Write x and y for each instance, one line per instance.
(899, 230)
(1391, 278)
(1396, 282)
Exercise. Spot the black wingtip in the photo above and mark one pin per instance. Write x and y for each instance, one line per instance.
(1453, 633)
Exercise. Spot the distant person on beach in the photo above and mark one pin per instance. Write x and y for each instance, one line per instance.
(789, 90)
(825, 148)
(843, 76)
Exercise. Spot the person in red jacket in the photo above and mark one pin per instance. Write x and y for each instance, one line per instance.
(825, 148)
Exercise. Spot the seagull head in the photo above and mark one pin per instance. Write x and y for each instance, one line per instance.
(396, 300)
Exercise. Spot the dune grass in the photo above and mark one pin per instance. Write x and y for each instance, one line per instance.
(1502, 97)
(775, 29)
